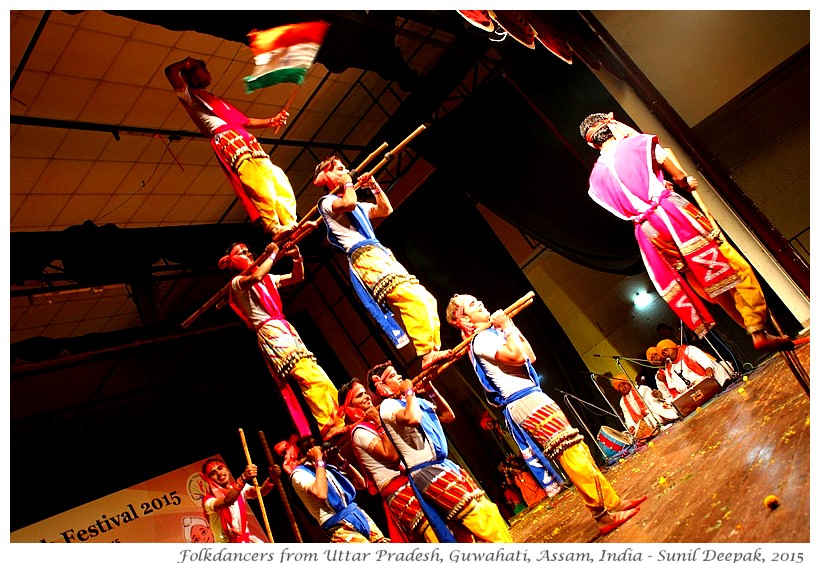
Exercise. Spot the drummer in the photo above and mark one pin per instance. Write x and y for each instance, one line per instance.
(502, 359)
(643, 412)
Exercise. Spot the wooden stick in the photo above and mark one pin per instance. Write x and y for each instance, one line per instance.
(789, 356)
(385, 159)
(458, 351)
(257, 487)
(287, 105)
(281, 489)
(302, 227)
(793, 361)
(370, 157)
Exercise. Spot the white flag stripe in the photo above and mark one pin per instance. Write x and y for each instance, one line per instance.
(297, 56)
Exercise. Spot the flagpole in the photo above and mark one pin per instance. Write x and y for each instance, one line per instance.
(287, 105)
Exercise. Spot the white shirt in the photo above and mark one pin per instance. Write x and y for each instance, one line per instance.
(320, 509)
(236, 516)
(410, 441)
(363, 438)
(247, 302)
(339, 223)
(507, 378)
(703, 359)
(201, 109)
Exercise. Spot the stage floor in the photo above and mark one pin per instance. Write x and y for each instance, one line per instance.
(706, 476)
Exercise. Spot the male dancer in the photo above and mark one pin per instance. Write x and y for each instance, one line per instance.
(224, 501)
(413, 425)
(686, 255)
(377, 276)
(380, 461)
(502, 359)
(254, 297)
(262, 187)
(327, 494)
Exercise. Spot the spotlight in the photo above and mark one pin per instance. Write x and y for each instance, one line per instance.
(641, 299)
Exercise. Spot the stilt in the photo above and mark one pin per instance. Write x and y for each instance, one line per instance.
(792, 360)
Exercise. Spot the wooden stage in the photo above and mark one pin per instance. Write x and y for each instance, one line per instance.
(706, 476)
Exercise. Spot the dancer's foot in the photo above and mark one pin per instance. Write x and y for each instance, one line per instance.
(629, 504)
(280, 232)
(764, 342)
(333, 433)
(615, 519)
(433, 357)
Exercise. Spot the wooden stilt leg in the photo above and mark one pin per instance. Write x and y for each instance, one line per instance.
(792, 360)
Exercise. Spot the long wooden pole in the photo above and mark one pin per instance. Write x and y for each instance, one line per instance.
(256, 486)
(281, 489)
(303, 228)
(459, 350)
(385, 159)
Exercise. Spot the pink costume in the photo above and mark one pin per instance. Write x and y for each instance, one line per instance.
(229, 524)
(285, 354)
(673, 235)
(267, 196)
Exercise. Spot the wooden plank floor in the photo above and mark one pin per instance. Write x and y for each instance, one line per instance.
(707, 475)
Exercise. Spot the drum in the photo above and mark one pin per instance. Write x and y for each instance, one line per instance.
(644, 430)
(612, 441)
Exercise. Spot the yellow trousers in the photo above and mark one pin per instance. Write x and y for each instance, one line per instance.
(279, 341)
(267, 186)
(596, 492)
(416, 306)
(320, 394)
(484, 521)
(346, 533)
(745, 302)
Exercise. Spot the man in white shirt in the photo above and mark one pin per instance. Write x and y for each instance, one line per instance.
(684, 366)
(414, 426)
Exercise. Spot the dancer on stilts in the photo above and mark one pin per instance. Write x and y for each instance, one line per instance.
(378, 278)
(685, 253)
(262, 187)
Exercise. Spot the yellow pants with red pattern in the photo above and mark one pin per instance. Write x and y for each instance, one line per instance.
(470, 514)
(544, 424)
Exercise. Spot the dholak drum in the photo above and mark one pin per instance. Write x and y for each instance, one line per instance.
(644, 430)
(612, 441)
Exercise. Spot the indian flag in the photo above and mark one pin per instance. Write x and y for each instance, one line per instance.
(284, 54)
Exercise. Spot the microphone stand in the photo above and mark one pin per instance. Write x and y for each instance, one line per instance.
(581, 420)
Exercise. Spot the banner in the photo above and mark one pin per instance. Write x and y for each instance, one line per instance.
(166, 509)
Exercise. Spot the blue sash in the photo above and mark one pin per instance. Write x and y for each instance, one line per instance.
(381, 315)
(433, 433)
(345, 508)
(537, 462)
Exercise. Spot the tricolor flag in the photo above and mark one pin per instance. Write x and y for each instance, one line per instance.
(284, 54)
